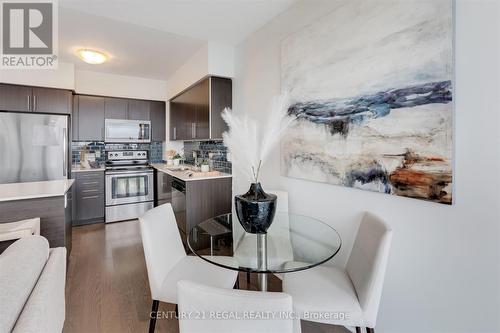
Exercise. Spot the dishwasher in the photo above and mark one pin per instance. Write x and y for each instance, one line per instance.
(179, 205)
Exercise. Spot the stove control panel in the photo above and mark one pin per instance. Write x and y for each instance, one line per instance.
(127, 155)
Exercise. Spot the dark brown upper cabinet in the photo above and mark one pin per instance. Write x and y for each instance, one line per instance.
(15, 98)
(91, 111)
(201, 125)
(34, 99)
(138, 109)
(221, 98)
(89, 118)
(158, 120)
(48, 100)
(195, 114)
(115, 108)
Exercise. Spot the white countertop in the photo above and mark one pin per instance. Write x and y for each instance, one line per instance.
(182, 175)
(79, 168)
(33, 190)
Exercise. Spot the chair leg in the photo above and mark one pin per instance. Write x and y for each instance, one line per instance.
(370, 330)
(237, 283)
(358, 329)
(154, 313)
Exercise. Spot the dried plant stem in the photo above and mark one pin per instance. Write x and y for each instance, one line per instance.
(249, 142)
(256, 174)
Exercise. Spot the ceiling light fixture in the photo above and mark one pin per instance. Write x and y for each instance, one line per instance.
(91, 56)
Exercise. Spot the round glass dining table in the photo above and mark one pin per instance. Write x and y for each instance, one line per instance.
(292, 243)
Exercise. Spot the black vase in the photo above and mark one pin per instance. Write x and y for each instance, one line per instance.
(255, 209)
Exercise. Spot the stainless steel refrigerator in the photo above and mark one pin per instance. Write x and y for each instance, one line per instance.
(33, 147)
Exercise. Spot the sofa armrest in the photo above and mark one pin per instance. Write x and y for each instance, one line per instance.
(21, 265)
(45, 309)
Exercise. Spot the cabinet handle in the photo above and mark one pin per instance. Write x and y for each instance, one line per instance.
(65, 151)
(175, 133)
(34, 102)
(29, 103)
(194, 127)
(90, 183)
(192, 130)
(91, 197)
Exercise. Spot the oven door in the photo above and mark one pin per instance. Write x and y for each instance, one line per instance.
(120, 130)
(123, 187)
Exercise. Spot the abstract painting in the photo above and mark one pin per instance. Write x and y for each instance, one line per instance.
(371, 86)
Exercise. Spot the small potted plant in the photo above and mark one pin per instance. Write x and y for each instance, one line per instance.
(177, 159)
(170, 156)
(205, 165)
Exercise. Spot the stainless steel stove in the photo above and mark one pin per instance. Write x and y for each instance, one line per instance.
(129, 185)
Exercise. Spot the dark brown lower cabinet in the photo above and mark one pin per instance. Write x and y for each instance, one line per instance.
(204, 199)
(54, 213)
(163, 188)
(89, 201)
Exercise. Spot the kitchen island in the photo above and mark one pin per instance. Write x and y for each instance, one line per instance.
(48, 200)
(195, 196)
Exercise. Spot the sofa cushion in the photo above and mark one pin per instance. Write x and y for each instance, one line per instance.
(44, 311)
(20, 267)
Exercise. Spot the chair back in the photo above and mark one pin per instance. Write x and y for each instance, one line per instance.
(367, 264)
(281, 222)
(208, 302)
(281, 202)
(162, 244)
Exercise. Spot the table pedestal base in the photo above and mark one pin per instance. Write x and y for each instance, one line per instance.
(262, 260)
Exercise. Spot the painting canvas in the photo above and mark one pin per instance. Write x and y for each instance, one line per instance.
(371, 86)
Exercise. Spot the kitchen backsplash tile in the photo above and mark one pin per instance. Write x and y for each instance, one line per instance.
(218, 161)
(156, 152)
(99, 148)
(90, 148)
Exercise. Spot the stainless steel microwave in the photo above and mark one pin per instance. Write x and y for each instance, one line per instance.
(121, 130)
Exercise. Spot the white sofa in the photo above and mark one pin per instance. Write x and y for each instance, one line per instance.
(32, 284)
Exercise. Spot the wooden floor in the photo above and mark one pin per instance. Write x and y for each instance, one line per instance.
(107, 286)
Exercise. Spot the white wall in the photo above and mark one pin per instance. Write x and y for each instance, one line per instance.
(88, 82)
(63, 77)
(96, 83)
(211, 59)
(443, 273)
(220, 59)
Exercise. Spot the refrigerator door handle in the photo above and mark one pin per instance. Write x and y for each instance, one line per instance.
(65, 152)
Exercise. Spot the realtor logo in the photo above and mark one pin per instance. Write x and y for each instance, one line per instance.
(29, 34)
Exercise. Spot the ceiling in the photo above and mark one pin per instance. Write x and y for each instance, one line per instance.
(152, 38)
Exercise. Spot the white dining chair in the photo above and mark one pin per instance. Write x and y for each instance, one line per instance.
(167, 262)
(205, 309)
(351, 297)
(279, 248)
